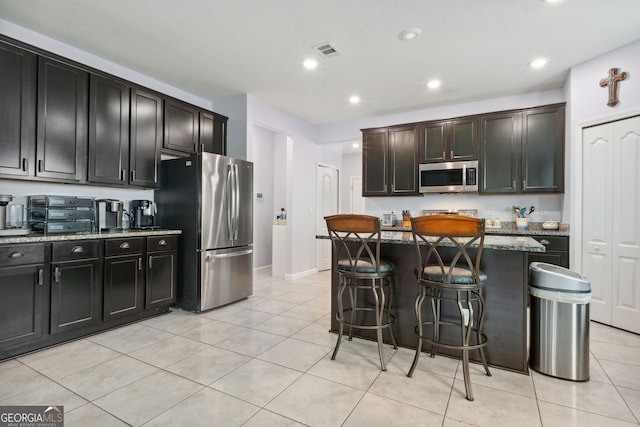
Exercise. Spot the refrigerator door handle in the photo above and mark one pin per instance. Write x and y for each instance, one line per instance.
(236, 215)
(229, 194)
(229, 255)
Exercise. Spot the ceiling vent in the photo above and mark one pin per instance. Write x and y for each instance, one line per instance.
(327, 50)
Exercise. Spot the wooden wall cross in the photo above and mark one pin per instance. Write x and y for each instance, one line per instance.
(612, 81)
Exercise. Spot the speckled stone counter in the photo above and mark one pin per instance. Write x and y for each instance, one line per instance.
(505, 260)
(500, 243)
(34, 238)
(534, 229)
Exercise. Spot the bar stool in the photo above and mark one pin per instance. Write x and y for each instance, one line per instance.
(447, 272)
(356, 244)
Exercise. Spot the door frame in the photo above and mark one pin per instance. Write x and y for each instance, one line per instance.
(321, 243)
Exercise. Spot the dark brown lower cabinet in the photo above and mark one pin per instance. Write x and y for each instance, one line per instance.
(161, 271)
(23, 288)
(556, 250)
(123, 277)
(76, 288)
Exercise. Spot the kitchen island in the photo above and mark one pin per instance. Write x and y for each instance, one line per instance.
(504, 260)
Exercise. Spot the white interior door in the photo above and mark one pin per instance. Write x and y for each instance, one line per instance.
(611, 221)
(356, 199)
(327, 204)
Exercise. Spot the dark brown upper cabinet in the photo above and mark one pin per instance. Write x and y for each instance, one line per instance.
(213, 133)
(543, 150)
(108, 131)
(61, 131)
(523, 151)
(181, 126)
(448, 140)
(500, 152)
(146, 138)
(390, 161)
(17, 111)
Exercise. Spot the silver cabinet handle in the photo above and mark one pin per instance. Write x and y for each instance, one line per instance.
(77, 250)
(544, 242)
(124, 245)
(24, 164)
(162, 243)
(40, 276)
(451, 154)
(56, 274)
(39, 165)
(16, 255)
(150, 261)
(140, 264)
(524, 184)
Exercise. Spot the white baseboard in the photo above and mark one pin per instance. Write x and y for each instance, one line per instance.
(301, 274)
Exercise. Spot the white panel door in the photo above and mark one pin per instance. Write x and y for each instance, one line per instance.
(611, 221)
(626, 226)
(327, 201)
(597, 207)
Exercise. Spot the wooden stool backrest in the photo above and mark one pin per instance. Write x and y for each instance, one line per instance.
(431, 232)
(363, 230)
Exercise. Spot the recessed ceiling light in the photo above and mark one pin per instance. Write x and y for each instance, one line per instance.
(355, 99)
(434, 84)
(310, 63)
(553, 1)
(355, 145)
(538, 63)
(410, 34)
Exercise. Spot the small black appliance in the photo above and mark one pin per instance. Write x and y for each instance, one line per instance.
(143, 214)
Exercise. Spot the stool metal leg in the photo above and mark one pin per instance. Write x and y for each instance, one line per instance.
(479, 332)
(379, 307)
(353, 296)
(435, 309)
(418, 306)
(466, 325)
(390, 286)
(339, 315)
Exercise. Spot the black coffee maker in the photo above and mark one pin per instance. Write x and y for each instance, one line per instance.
(143, 214)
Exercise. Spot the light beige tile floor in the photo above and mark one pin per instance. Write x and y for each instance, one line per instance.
(266, 361)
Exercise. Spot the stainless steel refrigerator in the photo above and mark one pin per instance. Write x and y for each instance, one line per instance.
(209, 197)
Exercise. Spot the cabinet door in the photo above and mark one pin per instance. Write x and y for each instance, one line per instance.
(123, 286)
(161, 279)
(22, 304)
(500, 153)
(432, 142)
(61, 143)
(463, 139)
(180, 126)
(76, 297)
(146, 138)
(543, 150)
(108, 131)
(404, 161)
(375, 162)
(213, 133)
(17, 110)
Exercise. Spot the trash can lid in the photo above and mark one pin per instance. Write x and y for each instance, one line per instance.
(555, 278)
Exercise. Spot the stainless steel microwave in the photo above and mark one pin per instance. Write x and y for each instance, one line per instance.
(449, 177)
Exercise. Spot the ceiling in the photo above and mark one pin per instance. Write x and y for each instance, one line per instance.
(219, 48)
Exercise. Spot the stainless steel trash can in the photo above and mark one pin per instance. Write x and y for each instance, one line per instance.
(559, 322)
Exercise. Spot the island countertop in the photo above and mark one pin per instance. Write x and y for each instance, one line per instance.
(501, 243)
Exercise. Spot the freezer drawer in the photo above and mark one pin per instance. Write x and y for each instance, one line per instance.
(227, 276)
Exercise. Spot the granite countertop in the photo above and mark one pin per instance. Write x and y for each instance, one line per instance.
(501, 243)
(34, 238)
(535, 228)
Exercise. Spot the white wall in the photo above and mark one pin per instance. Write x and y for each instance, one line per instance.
(263, 149)
(350, 130)
(588, 107)
(43, 42)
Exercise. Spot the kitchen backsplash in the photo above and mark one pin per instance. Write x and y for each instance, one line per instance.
(547, 206)
(21, 189)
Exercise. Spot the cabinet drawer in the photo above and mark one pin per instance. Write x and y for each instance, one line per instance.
(553, 243)
(76, 249)
(11, 255)
(161, 243)
(125, 246)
